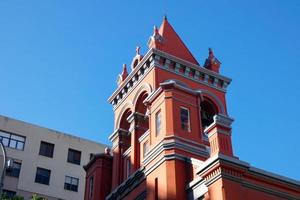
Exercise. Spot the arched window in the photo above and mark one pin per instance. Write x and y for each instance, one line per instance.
(208, 111)
(124, 125)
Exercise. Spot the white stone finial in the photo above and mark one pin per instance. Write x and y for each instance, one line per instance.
(137, 50)
(107, 150)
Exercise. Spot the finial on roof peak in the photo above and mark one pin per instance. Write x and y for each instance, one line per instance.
(212, 63)
(155, 30)
(123, 75)
(165, 17)
(137, 50)
(210, 53)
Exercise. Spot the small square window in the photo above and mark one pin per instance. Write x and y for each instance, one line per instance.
(185, 119)
(14, 171)
(13, 144)
(20, 145)
(74, 156)
(5, 141)
(71, 183)
(42, 176)
(46, 149)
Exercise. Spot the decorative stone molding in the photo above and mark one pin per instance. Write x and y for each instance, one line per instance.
(117, 133)
(175, 143)
(144, 136)
(127, 152)
(222, 120)
(221, 166)
(162, 60)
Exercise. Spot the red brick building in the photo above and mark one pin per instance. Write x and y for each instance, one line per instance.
(172, 137)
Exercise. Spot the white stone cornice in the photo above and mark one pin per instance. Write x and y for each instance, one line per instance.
(192, 65)
(154, 58)
(116, 133)
(127, 152)
(144, 136)
(175, 143)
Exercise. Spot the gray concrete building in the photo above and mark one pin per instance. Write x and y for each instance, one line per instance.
(46, 162)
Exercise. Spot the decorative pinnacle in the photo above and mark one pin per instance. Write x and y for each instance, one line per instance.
(124, 72)
(107, 150)
(137, 50)
(165, 17)
(210, 53)
(155, 30)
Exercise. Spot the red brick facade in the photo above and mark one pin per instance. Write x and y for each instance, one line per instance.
(172, 137)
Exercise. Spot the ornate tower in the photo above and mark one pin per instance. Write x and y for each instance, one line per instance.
(172, 134)
(168, 111)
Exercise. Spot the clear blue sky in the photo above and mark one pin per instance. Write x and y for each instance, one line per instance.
(59, 62)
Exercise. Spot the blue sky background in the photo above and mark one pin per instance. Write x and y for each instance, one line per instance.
(59, 60)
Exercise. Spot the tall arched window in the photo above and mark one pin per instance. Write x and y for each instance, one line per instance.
(124, 125)
(141, 108)
(208, 111)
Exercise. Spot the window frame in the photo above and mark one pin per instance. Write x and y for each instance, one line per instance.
(45, 152)
(70, 186)
(15, 171)
(72, 160)
(146, 146)
(128, 167)
(11, 137)
(40, 178)
(188, 124)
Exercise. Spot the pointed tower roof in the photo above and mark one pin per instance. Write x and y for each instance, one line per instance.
(172, 43)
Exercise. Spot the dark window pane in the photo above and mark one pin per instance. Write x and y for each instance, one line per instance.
(71, 183)
(42, 176)
(46, 149)
(185, 119)
(74, 156)
(8, 193)
(15, 170)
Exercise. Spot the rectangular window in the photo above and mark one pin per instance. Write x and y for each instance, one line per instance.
(71, 183)
(46, 149)
(128, 167)
(145, 148)
(42, 176)
(185, 119)
(74, 156)
(91, 186)
(8, 193)
(13, 141)
(158, 123)
(14, 171)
